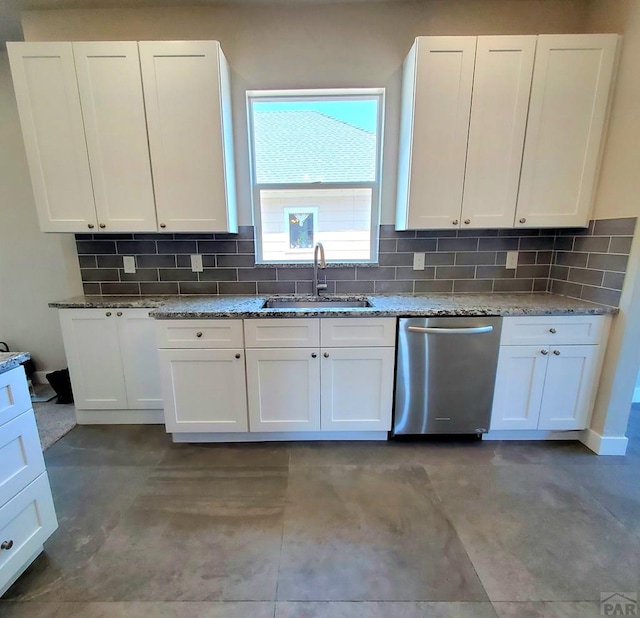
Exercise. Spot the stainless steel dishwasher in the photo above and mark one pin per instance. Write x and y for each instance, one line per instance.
(445, 375)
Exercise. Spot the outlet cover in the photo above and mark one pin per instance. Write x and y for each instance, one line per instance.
(129, 264)
(418, 261)
(512, 260)
(196, 264)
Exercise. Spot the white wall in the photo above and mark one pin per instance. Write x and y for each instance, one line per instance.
(312, 46)
(35, 268)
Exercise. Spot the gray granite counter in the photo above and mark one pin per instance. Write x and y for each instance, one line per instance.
(10, 360)
(178, 307)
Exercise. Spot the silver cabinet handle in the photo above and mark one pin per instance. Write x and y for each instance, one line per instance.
(313, 355)
(90, 226)
(198, 334)
(108, 314)
(556, 352)
(553, 331)
(467, 221)
(523, 220)
(432, 330)
(119, 314)
(7, 544)
(326, 354)
(455, 222)
(544, 352)
(163, 225)
(238, 355)
(102, 226)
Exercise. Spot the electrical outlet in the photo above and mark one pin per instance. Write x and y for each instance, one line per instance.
(129, 264)
(512, 260)
(196, 264)
(418, 261)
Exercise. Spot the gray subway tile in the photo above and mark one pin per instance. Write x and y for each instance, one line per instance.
(256, 274)
(601, 295)
(387, 245)
(544, 257)
(559, 272)
(393, 287)
(220, 274)
(615, 227)
(592, 244)
(152, 289)
(87, 261)
(153, 236)
(586, 276)
(245, 246)
(501, 258)
(498, 244)
(388, 273)
(345, 273)
(472, 258)
(235, 261)
(571, 258)
(95, 246)
(245, 232)
(412, 245)
(576, 231)
(537, 243)
(83, 237)
(196, 236)
(294, 274)
(116, 236)
(355, 287)
(136, 247)
(156, 261)
(513, 285)
(458, 244)
(434, 287)
(495, 272)
(119, 289)
(608, 261)
(436, 233)
(99, 274)
(395, 259)
(621, 244)
(613, 280)
(144, 274)
(389, 231)
(405, 274)
(455, 272)
(466, 233)
(439, 258)
(91, 289)
(540, 285)
(177, 274)
(276, 287)
(208, 261)
(520, 232)
(527, 257)
(304, 287)
(109, 261)
(214, 246)
(198, 287)
(176, 246)
(237, 287)
(564, 243)
(565, 288)
(473, 285)
(533, 271)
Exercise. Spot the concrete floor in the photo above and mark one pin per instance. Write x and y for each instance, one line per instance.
(387, 530)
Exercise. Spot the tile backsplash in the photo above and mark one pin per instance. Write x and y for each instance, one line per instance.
(587, 264)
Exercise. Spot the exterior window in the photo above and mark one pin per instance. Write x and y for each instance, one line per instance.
(315, 172)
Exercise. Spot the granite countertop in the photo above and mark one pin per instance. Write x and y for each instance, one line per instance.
(176, 307)
(10, 360)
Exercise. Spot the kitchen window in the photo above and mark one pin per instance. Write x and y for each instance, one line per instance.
(315, 170)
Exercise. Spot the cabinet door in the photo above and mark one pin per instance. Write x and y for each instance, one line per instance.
(569, 388)
(204, 390)
(567, 113)
(186, 93)
(501, 86)
(139, 352)
(283, 388)
(519, 386)
(44, 79)
(436, 101)
(93, 353)
(357, 389)
(114, 120)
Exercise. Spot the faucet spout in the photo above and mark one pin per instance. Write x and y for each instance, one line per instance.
(318, 251)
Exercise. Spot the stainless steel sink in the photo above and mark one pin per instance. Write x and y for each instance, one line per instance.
(312, 303)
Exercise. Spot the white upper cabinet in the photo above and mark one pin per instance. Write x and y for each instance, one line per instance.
(436, 103)
(110, 88)
(567, 113)
(44, 79)
(501, 86)
(186, 87)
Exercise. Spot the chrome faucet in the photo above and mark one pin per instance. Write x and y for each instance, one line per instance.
(317, 287)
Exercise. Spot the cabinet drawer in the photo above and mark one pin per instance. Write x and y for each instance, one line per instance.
(357, 332)
(200, 334)
(27, 520)
(553, 330)
(14, 394)
(282, 333)
(21, 460)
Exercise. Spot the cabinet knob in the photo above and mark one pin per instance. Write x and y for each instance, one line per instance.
(237, 355)
(467, 221)
(523, 220)
(102, 226)
(544, 352)
(119, 314)
(556, 352)
(314, 355)
(90, 226)
(455, 222)
(326, 354)
(108, 314)
(163, 225)
(553, 331)
(198, 334)
(6, 544)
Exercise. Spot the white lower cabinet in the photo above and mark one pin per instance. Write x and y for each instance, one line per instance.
(548, 387)
(204, 390)
(113, 358)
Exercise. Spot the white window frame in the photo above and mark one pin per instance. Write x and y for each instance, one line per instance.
(347, 94)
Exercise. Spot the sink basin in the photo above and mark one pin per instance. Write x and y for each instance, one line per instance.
(312, 303)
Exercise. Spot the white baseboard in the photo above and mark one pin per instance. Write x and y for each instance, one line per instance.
(636, 395)
(120, 417)
(532, 434)
(281, 436)
(604, 445)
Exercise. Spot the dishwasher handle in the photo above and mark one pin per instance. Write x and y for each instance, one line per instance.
(436, 330)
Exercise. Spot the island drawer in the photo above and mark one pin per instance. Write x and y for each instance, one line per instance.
(14, 394)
